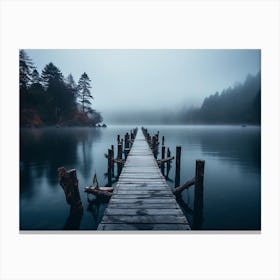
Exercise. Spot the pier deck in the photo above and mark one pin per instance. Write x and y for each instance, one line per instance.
(142, 200)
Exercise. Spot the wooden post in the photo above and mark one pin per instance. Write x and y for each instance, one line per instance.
(69, 183)
(178, 166)
(149, 139)
(162, 141)
(109, 167)
(119, 157)
(154, 145)
(126, 145)
(113, 164)
(162, 157)
(118, 139)
(168, 163)
(199, 185)
(122, 146)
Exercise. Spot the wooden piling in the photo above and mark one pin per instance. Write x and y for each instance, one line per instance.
(119, 157)
(154, 145)
(162, 157)
(168, 163)
(199, 185)
(118, 139)
(162, 141)
(113, 164)
(109, 167)
(178, 166)
(126, 145)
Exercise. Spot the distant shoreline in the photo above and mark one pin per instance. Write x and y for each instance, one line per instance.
(125, 125)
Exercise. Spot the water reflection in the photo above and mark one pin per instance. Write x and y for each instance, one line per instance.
(232, 191)
(43, 150)
(74, 219)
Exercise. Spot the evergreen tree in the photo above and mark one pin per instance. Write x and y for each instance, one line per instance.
(51, 74)
(25, 68)
(70, 82)
(35, 77)
(84, 95)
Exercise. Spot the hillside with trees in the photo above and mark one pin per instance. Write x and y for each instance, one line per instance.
(240, 104)
(51, 99)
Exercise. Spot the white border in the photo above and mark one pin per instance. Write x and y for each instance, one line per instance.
(155, 24)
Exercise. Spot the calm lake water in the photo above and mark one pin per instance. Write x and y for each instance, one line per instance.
(232, 184)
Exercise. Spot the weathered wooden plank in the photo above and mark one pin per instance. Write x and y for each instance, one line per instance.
(159, 219)
(149, 192)
(137, 180)
(141, 201)
(144, 206)
(142, 212)
(141, 196)
(169, 227)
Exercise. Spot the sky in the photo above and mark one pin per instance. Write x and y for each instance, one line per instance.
(148, 80)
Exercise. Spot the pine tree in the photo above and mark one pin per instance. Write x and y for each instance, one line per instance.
(70, 82)
(25, 68)
(84, 95)
(51, 74)
(35, 77)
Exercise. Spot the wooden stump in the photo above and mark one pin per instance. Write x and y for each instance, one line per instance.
(69, 183)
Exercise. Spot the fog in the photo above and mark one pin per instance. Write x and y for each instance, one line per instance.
(141, 86)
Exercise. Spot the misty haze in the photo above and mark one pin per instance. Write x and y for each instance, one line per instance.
(159, 139)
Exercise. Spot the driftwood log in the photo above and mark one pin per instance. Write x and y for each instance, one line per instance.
(69, 184)
(102, 193)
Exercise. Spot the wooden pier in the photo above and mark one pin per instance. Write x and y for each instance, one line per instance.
(142, 200)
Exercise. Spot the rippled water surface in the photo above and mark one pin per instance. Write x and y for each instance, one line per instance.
(232, 186)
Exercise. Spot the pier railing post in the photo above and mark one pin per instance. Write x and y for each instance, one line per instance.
(109, 167)
(178, 166)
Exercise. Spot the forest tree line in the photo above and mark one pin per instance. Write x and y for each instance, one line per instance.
(50, 99)
(240, 104)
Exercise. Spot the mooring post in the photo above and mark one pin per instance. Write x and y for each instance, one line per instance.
(178, 166)
(162, 141)
(168, 163)
(119, 158)
(162, 157)
(199, 185)
(113, 164)
(109, 167)
(118, 139)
